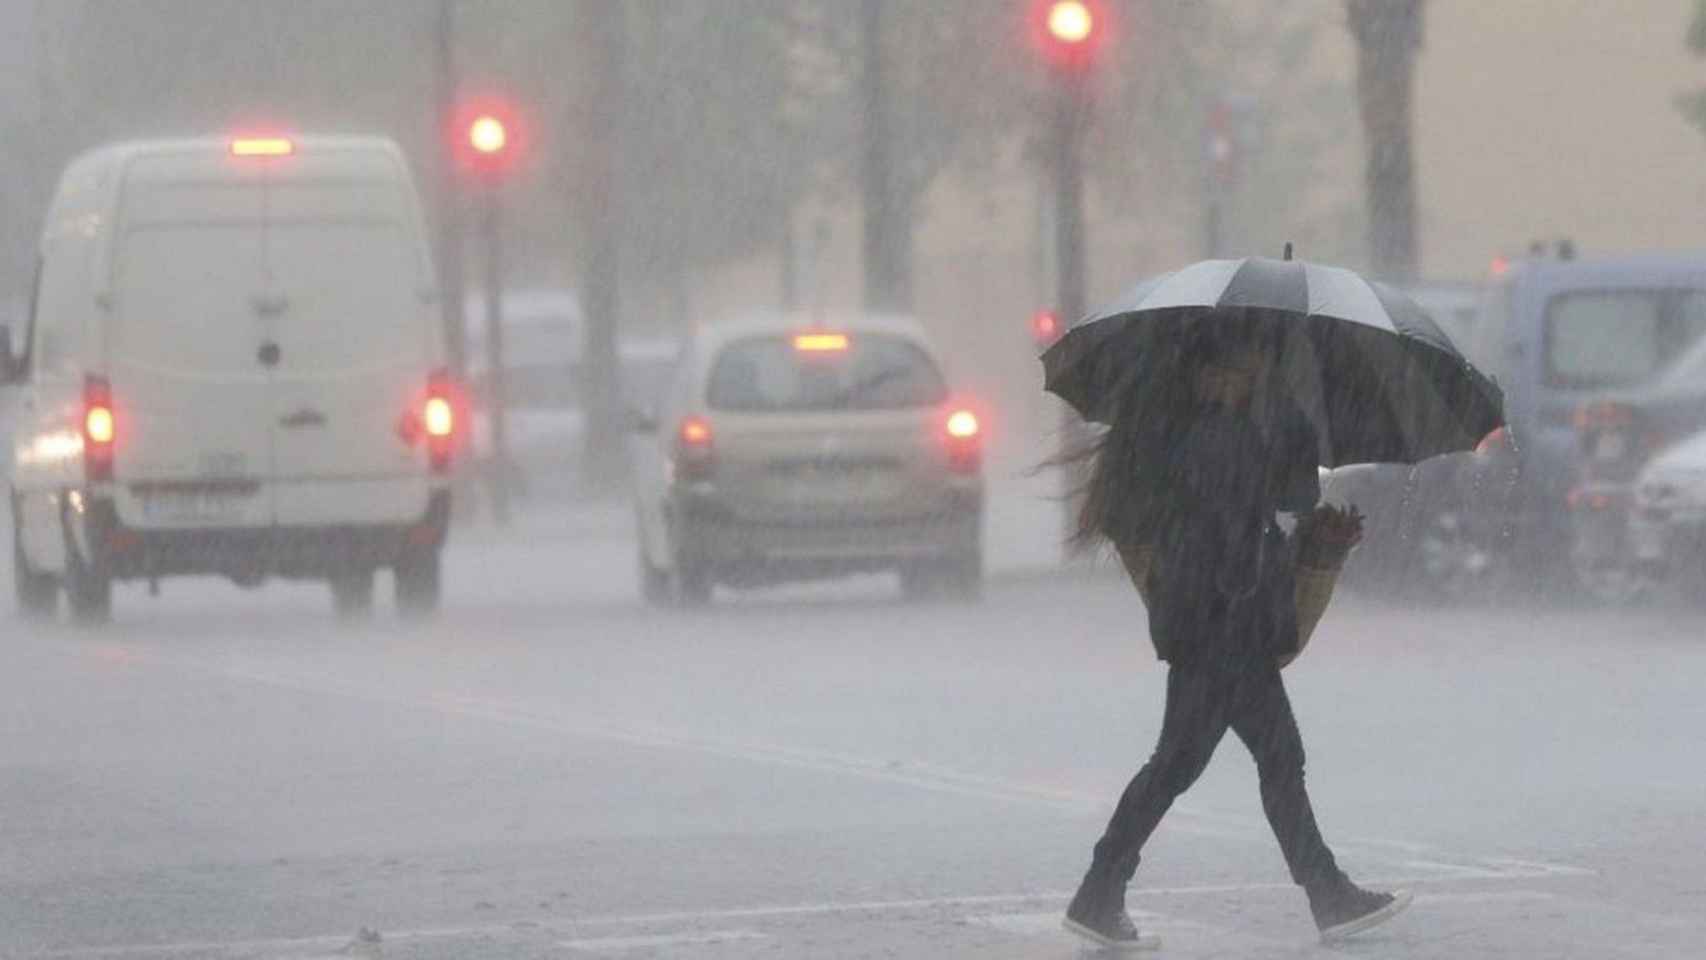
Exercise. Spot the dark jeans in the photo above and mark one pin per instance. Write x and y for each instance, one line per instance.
(1201, 705)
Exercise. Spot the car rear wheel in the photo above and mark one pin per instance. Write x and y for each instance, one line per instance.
(352, 594)
(418, 584)
(38, 593)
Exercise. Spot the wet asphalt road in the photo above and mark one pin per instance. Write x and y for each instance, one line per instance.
(551, 770)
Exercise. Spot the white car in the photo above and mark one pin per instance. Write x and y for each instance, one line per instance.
(1667, 527)
(234, 364)
(788, 450)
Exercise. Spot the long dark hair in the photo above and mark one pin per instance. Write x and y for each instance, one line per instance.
(1122, 476)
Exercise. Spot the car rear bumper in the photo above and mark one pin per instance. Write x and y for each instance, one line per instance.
(253, 553)
(826, 542)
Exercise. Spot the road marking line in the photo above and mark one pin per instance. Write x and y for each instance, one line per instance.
(775, 912)
(620, 944)
(1485, 896)
(918, 775)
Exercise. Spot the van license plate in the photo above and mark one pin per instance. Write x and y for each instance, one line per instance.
(192, 505)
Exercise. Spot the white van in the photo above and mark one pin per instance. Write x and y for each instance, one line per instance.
(234, 365)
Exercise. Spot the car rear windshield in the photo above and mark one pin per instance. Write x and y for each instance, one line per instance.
(1618, 338)
(858, 372)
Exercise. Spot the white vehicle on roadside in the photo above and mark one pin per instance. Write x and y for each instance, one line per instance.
(233, 365)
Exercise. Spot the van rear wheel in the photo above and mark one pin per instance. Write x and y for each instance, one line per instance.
(418, 583)
(38, 593)
(352, 594)
(88, 591)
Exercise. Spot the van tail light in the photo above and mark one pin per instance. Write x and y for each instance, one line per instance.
(100, 429)
(964, 437)
(695, 455)
(440, 419)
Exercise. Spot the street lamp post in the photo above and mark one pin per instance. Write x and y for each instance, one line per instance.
(489, 146)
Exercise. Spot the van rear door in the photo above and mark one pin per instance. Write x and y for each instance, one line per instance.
(353, 337)
(192, 402)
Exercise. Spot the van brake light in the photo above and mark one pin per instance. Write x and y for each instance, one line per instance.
(100, 428)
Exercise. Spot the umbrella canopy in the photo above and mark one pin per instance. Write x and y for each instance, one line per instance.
(1375, 375)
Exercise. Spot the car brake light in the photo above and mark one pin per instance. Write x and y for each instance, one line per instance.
(262, 147)
(694, 455)
(965, 449)
(820, 342)
(100, 428)
(962, 424)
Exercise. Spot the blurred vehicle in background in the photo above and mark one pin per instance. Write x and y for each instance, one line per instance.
(543, 338)
(787, 450)
(1454, 306)
(1585, 351)
(233, 365)
(1636, 500)
(1567, 339)
(544, 345)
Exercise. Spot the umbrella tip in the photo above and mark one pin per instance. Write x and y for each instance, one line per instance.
(1288, 250)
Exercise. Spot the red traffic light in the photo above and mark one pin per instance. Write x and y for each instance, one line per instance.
(1070, 21)
(1045, 327)
(487, 135)
(1070, 32)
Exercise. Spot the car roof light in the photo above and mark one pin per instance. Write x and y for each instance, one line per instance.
(262, 147)
(820, 342)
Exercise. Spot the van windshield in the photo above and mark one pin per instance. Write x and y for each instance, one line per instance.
(856, 372)
(1617, 338)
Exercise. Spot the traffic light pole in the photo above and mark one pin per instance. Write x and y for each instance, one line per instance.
(1071, 110)
(497, 399)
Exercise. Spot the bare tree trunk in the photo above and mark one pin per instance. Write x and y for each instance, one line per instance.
(604, 43)
(1388, 33)
(887, 207)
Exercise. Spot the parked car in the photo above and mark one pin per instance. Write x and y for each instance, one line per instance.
(788, 450)
(1637, 471)
(1667, 526)
(233, 365)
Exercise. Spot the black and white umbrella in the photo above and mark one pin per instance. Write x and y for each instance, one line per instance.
(1376, 376)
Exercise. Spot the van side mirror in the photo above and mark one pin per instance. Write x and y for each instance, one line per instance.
(9, 361)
